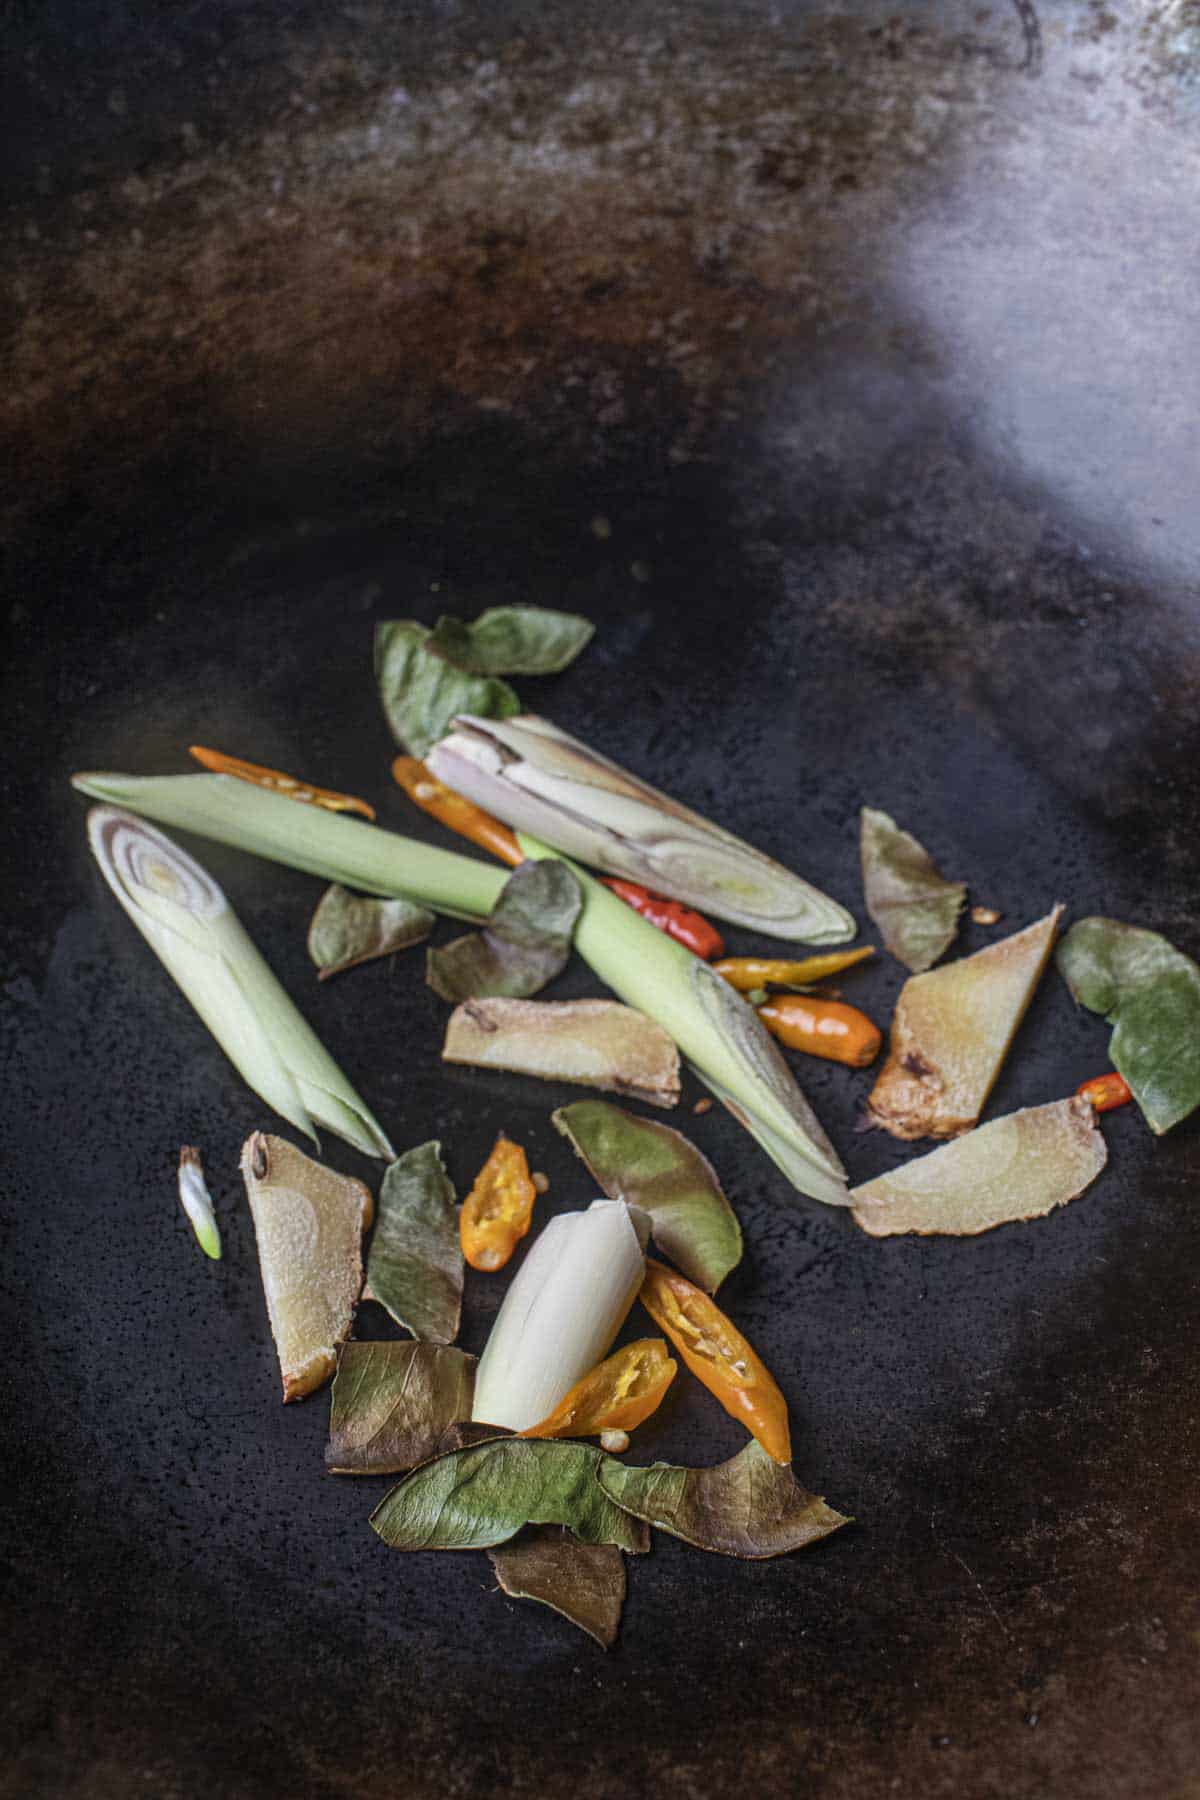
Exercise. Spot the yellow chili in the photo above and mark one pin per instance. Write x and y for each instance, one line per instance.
(825, 1028)
(279, 783)
(497, 1212)
(455, 811)
(749, 972)
(718, 1355)
(614, 1396)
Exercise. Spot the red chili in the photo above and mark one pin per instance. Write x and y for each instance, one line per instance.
(687, 927)
(1106, 1092)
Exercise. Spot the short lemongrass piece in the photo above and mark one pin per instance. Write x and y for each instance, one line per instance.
(539, 779)
(723, 1037)
(567, 1303)
(197, 1203)
(186, 919)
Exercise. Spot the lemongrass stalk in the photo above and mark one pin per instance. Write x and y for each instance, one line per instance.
(539, 779)
(713, 1026)
(719, 1033)
(197, 1203)
(567, 1303)
(332, 845)
(187, 921)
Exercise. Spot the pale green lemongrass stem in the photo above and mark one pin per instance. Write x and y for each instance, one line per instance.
(559, 1317)
(186, 919)
(197, 1203)
(332, 845)
(715, 1029)
(539, 779)
(638, 962)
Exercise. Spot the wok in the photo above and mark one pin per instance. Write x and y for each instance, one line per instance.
(842, 365)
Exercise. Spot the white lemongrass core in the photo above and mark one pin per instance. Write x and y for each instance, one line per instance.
(567, 1303)
(133, 855)
(197, 1203)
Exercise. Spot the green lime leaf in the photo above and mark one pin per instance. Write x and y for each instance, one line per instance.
(1150, 994)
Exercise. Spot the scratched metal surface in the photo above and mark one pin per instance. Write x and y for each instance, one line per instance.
(841, 365)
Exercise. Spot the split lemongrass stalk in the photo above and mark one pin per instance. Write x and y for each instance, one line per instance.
(197, 1203)
(566, 1305)
(539, 779)
(187, 921)
(713, 1026)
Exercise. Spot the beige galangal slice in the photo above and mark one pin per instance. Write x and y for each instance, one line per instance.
(951, 1032)
(1018, 1167)
(597, 1042)
(309, 1223)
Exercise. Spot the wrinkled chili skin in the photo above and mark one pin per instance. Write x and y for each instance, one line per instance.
(497, 1212)
(746, 973)
(688, 928)
(276, 782)
(719, 1356)
(826, 1028)
(1106, 1092)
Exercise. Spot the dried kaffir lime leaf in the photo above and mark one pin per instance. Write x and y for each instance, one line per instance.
(483, 1495)
(655, 1167)
(1150, 994)
(350, 928)
(393, 1404)
(415, 1265)
(513, 640)
(583, 1582)
(421, 692)
(750, 1506)
(914, 906)
(525, 943)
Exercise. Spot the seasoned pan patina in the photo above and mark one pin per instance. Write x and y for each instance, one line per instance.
(841, 365)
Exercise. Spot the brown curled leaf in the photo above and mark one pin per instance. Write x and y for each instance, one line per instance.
(348, 929)
(415, 1265)
(583, 1582)
(750, 1506)
(914, 906)
(525, 943)
(393, 1403)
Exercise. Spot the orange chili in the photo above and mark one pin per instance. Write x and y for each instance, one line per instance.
(827, 1028)
(1106, 1092)
(749, 972)
(718, 1355)
(279, 783)
(614, 1396)
(497, 1212)
(455, 811)
(688, 928)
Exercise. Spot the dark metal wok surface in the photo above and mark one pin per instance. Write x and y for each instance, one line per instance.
(871, 337)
